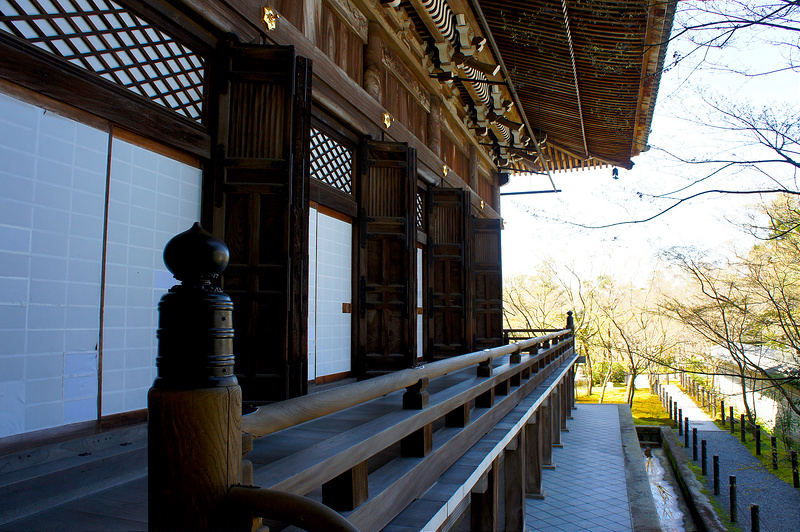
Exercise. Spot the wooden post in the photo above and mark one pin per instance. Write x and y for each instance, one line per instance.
(372, 73)
(570, 391)
(546, 420)
(675, 412)
(564, 386)
(473, 167)
(503, 387)
(195, 404)
(458, 417)
(347, 491)
(534, 444)
(555, 406)
(703, 457)
(484, 500)
(420, 442)
(774, 442)
(514, 473)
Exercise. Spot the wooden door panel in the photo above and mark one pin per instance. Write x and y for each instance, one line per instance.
(387, 259)
(447, 273)
(487, 284)
(260, 210)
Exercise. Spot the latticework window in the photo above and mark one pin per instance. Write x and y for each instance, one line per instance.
(331, 162)
(104, 38)
(421, 209)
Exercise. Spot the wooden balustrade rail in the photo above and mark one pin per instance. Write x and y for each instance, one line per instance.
(278, 416)
(338, 461)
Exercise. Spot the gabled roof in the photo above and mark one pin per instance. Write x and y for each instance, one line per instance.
(586, 74)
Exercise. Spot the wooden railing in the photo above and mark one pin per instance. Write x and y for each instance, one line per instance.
(277, 416)
(411, 428)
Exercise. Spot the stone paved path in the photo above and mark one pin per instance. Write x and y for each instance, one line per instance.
(587, 491)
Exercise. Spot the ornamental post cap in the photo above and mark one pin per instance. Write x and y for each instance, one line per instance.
(196, 255)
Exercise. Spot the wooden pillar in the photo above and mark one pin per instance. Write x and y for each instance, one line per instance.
(435, 125)
(473, 168)
(534, 438)
(564, 396)
(571, 391)
(373, 64)
(484, 500)
(514, 472)
(556, 416)
(546, 420)
(495, 199)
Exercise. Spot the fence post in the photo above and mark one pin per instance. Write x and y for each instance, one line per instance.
(742, 428)
(195, 404)
(758, 440)
(722, 410)
(715, 464)
(795, 477)
(732, 485)
(694, 444)
(680, 421)
(755, 524)
(733, 419)
(703, 457)
(686, 431)
(774, 441)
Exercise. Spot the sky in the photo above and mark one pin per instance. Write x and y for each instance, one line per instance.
(554, 227)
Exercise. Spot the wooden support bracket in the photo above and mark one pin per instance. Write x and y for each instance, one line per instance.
(485, 368)
(416, 397)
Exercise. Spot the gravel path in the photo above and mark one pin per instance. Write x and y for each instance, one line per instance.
(778, 502)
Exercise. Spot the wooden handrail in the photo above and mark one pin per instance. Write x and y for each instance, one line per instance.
(289, 508)
(278, 416)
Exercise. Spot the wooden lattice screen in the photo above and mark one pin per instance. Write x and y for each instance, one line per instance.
(104, 38)
(331, 162)
(422, 219)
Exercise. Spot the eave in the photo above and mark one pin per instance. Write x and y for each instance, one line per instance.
(586, 74)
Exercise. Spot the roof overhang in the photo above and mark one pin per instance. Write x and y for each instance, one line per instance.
(585, 74)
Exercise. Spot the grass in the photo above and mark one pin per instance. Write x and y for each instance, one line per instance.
(646, 410)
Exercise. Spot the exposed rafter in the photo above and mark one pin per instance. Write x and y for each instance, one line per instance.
(575, 76)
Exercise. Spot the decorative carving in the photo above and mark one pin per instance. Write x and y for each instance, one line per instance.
(405, 76)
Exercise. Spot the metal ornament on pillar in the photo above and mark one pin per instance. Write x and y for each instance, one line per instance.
(195, 323)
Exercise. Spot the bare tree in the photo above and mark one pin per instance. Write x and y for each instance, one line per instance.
(721, 311)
